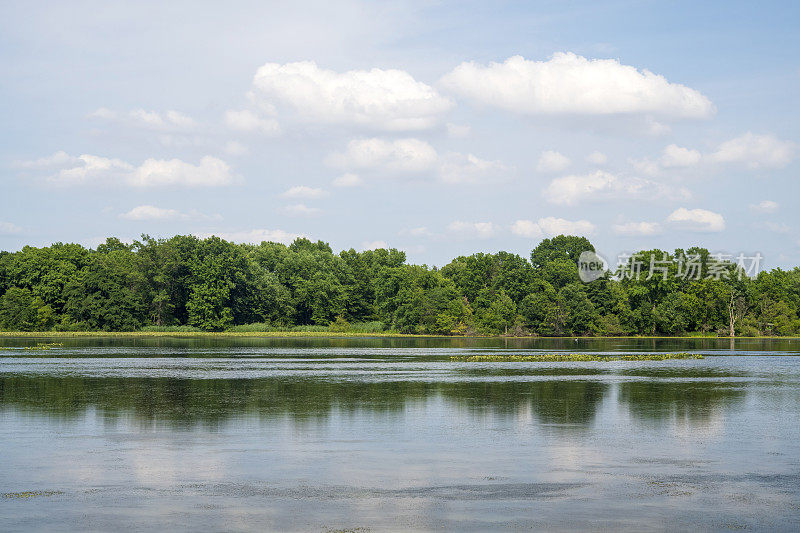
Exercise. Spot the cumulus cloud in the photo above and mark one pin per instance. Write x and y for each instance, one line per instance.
(756, 151)
(374, 245)
(210, 172)
(551, 226)
(389, 100)
(637, 228)
(399, 156)
(597, 158)
(698, 220)
(303, 191)
(416, 157)
(568, 83)
(552, 161)
(420, 231)
(64, 169)
(249, 122)
(559, 226)
(8, 228)
(526, 228)
(677, 156)
(603, 186)
(301, 210)
(348, 180)
(467, 168)
(167, 121)
(70, 170)
(479, 230)
(151, 212)
(778, 227)
(257, 236)
(765, 206)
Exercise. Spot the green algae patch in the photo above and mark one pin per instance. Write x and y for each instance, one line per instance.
(31, 494)
(567, 357)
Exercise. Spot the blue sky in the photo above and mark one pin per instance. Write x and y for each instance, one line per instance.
(441, 128)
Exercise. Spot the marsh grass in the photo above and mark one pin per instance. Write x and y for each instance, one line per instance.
(564, 357)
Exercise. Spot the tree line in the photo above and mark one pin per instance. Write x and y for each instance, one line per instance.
(214, 285)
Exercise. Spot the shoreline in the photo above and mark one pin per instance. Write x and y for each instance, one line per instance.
(342, 335)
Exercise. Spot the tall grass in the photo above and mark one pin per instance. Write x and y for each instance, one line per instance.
(171, 329)
(355, 327)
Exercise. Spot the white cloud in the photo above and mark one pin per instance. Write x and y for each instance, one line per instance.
(568, 83)
(68, 170)
(551, 226)
(645, 166)
(597, 158)
(551, 161)
(559, 226)
(150, 212)
(347, 180)
(153, 120)
(390, 100)
(602, 186)
(637, 228)
(479, 230)
(211, 172)
(420, 231)
(765, 206)
(249, 122)
(699, 220)
(756, 151)
(457, 131)
(400, 156)
(526, 228)
(459, 168)
(655, 128)
(58, 159)
(416, 157)
(374, 245)
(8, 228)
(677, 156)
(257, 236)
(303, 191)
(301, 210)
(778, 227)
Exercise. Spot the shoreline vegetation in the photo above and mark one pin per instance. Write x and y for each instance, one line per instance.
(567, 357)
(187, 285)
(344, 335)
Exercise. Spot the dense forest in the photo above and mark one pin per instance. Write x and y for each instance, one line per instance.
(213, 285)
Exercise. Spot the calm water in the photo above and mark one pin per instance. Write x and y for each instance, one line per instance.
(389, 435)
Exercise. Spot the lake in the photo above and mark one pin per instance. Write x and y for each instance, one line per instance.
(387, 434)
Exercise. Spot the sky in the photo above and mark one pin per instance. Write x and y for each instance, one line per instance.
(439, 128)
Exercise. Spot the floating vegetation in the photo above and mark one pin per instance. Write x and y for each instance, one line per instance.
(564, 357)
(45, 346)
(31, 494)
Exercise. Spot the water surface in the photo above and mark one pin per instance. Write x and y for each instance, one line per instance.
(387, 434)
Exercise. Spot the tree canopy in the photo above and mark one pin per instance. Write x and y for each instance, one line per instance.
(212, 284)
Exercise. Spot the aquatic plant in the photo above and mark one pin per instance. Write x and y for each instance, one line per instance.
(564, 357)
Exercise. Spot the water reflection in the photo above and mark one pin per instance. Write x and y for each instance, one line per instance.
(185, 403)
(380, 436)
(692, 402)
(710, 344)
